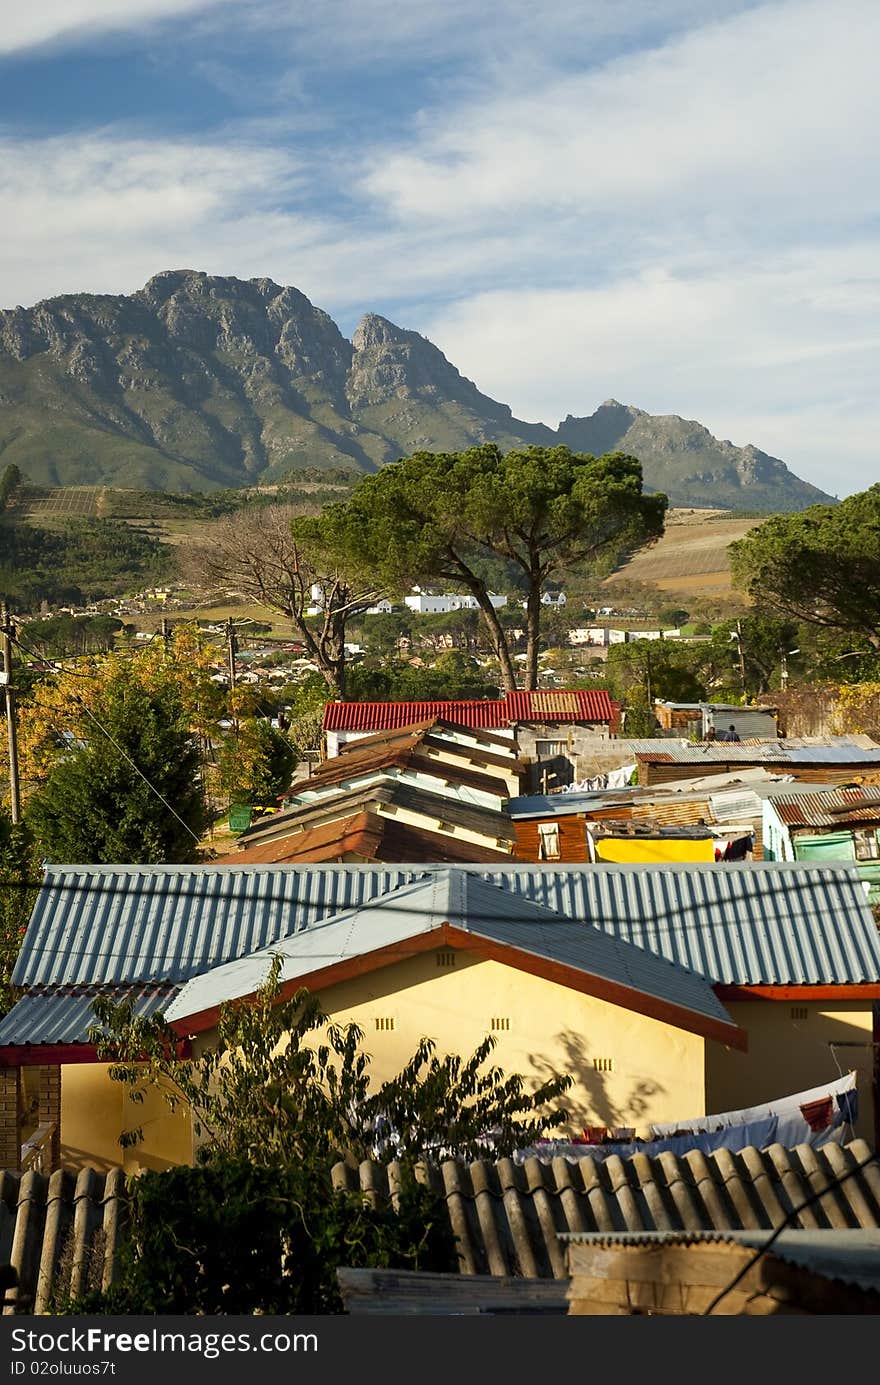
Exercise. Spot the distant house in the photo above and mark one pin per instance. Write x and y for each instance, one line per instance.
(424, 603)
(381, 608)
(549, 727)
(698, 718)
(666, 992)
(830, 825)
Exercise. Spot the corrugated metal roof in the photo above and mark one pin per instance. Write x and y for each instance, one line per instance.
(465, 901)
(850, 1256)
(59, 1018)
(759, 752)
(785, 923)
(831, 808)
(582, 704)
(508, 1217)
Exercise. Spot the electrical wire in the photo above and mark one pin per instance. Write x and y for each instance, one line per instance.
(784, 1224)
(125, 755)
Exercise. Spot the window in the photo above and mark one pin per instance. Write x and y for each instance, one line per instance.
(499, 1022)
(798, 1012)
(603, 1064)
(866, 845)
(446, 959)
(385, 1023)
(547, 750)
(548, 841)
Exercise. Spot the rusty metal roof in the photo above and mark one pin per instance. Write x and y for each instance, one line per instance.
(831, 808)
(508, 1217)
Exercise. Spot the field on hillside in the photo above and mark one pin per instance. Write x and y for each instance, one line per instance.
(691, 557)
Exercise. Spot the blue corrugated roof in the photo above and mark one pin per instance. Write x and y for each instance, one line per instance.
(466, 902)
(771, 923)
(47, 1017)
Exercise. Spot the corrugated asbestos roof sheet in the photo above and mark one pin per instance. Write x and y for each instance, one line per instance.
(61, 1233)
(59, 1018)
(833, 808)
(591, 704)
(508, 1217)
(851, 1256)
(785, 923)
(474, 905)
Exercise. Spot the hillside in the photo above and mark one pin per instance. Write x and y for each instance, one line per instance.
(199, 382)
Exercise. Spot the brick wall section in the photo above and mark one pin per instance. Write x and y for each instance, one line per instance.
(10, 1127)
(49, 1107)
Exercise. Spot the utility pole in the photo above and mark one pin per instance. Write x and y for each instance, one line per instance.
(166, 635)
(232, 649)
(6, 679)
(742, 662)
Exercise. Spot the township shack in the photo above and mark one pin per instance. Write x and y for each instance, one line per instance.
(665, 992)
(698, 719)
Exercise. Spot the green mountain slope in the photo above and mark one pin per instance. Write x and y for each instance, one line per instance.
(198, 382)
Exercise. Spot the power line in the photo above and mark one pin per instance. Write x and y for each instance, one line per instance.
(125, 755)
(786, 1222)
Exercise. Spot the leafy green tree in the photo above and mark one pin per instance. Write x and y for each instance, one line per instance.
(256, 762)
(19, 879)
(819, 566)
(446, 516)
(282, 1084)
(10, 480)
(96, 805)
(744, 654)
(454, 675)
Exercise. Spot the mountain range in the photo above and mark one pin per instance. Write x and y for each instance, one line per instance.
(198, 382)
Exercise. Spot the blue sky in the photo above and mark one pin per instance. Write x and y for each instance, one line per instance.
(669, 202)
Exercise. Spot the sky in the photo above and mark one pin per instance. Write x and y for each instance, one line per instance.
(673, 203)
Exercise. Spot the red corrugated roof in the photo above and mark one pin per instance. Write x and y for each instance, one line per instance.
(581, 704)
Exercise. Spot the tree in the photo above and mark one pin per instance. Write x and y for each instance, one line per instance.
(819, 566)
(281, 1084)
(130, 789)
(19, 879)
(256, 554)
(457, 516)
(256, 762)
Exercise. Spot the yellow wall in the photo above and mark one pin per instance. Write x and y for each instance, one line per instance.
(95, 1111)
(660, 849)
(788, 1055)
(659, 1073)
(658, 1070)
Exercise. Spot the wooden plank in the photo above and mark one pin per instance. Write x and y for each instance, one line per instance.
(419, 1291)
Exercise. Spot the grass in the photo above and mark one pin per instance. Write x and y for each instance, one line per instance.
(692, 556)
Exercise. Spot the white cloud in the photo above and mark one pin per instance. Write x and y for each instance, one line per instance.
(784, 357)
(63, 21)
(740, 118)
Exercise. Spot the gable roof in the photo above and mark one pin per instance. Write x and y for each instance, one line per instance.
(364, 834)
(459, 908)
(760, 924)
(786, 923)
(391, 795)
(581, 704)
